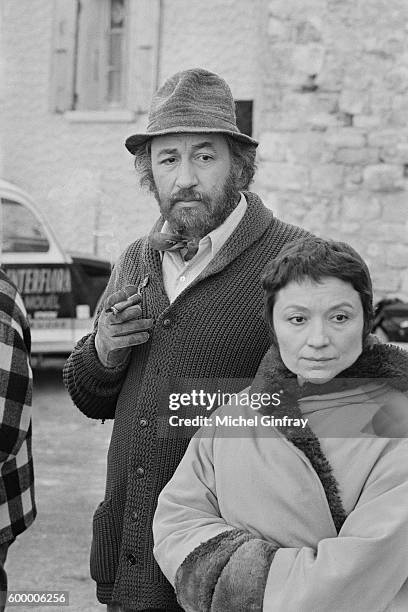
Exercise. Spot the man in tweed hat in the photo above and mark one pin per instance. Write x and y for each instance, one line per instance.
(183, 304)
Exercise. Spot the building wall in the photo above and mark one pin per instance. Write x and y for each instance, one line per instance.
(329, 79)
(333, 126)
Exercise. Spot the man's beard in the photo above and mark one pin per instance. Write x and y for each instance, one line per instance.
(201, 220)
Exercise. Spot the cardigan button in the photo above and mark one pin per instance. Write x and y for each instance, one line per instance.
(166, 323)
(131, 559)
(134, 515)
(140, 472)
(143, 422)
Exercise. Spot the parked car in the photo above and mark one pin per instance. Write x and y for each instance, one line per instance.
(60, 290)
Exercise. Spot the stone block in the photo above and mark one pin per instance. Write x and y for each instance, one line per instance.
(397, 154)
(299, 111)
(277, 30)
(395, 207)
(272, 146)
(307, 148)
(397, 79)
(296, 205)
(347, 230)
(360, 157)
(289, 206)
(353, 178)
(323, 121)
(285, 177)
(308, 59)
(350, 138)
(387, 281)
(354, 102)
(326, 177)
(278, 61)
(367, 121)
(385, 138)
(315, 220)
(397, 255)
(399, 114)
(380, 102)
(309, 30)
(361, 206)
(327, 101)
(297, 8)
(375, 250)
(331, 76)
(356, 75)
(384, 233)
(286, 121)
(384, 177)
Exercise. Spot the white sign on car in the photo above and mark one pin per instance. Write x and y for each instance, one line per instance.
(60, 290)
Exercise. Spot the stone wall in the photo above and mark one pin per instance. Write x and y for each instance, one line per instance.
(333, 125)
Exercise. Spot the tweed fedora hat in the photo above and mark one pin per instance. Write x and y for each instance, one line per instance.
(191, 101)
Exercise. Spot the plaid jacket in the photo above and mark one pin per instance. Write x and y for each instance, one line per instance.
(17, 505)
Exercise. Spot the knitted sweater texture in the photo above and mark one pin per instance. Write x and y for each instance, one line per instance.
(212, 336)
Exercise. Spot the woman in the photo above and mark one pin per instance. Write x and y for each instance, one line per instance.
(292, 517)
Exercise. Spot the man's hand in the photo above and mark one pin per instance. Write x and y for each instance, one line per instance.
(121, 328)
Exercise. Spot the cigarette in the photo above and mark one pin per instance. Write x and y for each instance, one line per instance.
(133, 298)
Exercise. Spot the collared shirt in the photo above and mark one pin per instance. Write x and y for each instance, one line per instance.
(177, 273)
(17, 506)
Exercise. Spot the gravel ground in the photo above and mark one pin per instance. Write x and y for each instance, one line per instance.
(69, 462)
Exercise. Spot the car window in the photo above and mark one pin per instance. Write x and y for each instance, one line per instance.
(22, 231)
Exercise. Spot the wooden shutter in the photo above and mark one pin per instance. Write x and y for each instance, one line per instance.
(92, 60)
(144, 23)
(63, 55)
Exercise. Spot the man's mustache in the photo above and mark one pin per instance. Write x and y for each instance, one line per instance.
(185, 195)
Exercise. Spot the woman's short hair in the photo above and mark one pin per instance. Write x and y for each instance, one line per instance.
(315, 258)
(243, 163)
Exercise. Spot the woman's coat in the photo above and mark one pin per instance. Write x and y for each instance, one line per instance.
(245, 524)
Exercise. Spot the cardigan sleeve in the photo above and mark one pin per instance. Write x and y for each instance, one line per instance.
(367, 563)
(94, 389)
(212, 565)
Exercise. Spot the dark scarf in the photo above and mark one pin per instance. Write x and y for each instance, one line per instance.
(378, 361)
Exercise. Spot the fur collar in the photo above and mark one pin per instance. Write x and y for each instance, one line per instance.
(377, 361)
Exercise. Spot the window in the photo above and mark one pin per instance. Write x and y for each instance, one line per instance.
(243, 111)
(100, 55)
(104, 54)
(22, 231)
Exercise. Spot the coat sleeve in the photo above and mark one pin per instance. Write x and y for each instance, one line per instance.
(94, 389)
(211, 565)
(367, 563)
(16, 379)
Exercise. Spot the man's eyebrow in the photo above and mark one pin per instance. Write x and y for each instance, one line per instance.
(206, 144)
(167, 152)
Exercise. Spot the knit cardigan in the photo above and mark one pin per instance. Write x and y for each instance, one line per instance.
(211, 337)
